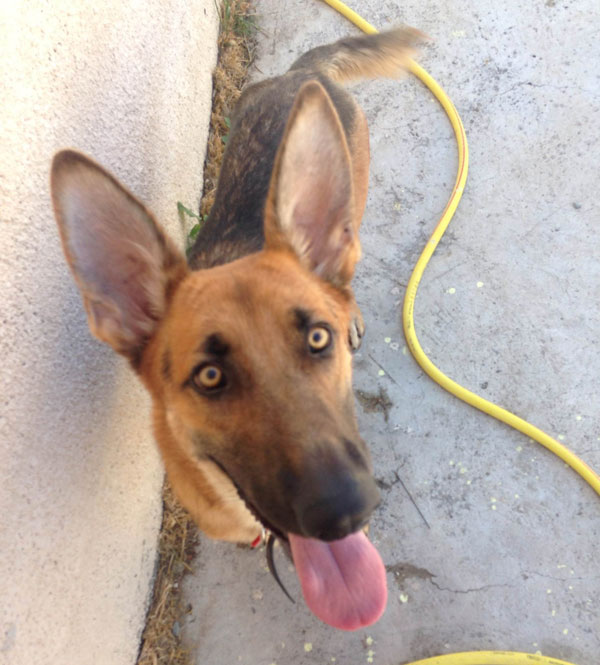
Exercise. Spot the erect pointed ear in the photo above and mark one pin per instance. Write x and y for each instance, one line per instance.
(310, 204)
(123, 263)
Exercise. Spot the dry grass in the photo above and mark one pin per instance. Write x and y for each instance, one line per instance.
(160, 641)
(236, 52)
(161, 644)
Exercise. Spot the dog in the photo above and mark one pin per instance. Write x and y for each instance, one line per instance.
(246, 347)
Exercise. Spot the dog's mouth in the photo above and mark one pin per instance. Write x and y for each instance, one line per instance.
(343, 581)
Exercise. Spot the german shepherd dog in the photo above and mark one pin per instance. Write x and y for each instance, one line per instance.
(246, 347)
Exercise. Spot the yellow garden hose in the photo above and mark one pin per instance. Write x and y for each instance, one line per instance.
(590, 476)
(490, 657)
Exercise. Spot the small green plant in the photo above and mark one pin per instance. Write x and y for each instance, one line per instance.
(183, 211)
(195, 230)
(225, 137)
(235, 17)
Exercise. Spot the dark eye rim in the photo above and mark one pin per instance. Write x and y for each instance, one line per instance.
(327, 347)
(208, 390)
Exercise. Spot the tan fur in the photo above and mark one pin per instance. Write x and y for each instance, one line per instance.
(201, 487)
(279, 434)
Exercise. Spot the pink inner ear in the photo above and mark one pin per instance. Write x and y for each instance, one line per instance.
(116, 251)
(327, 233)
(314, 185)
(116, 255)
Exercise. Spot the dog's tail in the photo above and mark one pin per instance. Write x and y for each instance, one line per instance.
(385, 54)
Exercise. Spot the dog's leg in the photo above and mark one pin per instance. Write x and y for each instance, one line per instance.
(359, 149)
(356, 330)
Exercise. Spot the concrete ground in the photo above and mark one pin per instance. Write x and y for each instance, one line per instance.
(490, 541)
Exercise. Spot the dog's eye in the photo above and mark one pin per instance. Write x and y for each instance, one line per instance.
(319, 339)
(209, 377)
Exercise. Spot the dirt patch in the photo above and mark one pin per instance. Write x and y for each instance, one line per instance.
(372, 403)
(161, 644)
(404, 571)
(177, 540)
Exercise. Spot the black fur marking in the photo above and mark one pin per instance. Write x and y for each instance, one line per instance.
(215, 345)
(247, 502)
(166, 365)
(234, 227)
(136, 354)
(354, 453)
(302, 318)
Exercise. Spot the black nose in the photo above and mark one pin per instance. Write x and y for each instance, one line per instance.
(336, 505)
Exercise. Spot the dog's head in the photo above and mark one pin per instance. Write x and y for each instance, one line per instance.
(248, 363)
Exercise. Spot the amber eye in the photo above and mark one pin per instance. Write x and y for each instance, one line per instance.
(209, 377)
(319, 338)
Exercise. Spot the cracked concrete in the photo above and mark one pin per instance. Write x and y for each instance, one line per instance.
(402, 572)
(490, 542)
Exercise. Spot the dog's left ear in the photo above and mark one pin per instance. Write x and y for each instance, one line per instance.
(123, 262)
(310, 204)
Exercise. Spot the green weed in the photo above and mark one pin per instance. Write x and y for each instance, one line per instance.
(184, 212)
(225, 137)
(235, 18)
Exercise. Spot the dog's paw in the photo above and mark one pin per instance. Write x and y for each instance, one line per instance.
(356, 330)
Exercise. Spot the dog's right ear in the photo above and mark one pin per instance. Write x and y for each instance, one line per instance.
(123, 263)
(310, 204)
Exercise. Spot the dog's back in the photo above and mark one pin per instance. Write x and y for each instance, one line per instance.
(235, 224)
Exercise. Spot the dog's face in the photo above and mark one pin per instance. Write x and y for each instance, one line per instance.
(248, 363)
(252, 368)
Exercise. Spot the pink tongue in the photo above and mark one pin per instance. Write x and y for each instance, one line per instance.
(343, 581)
